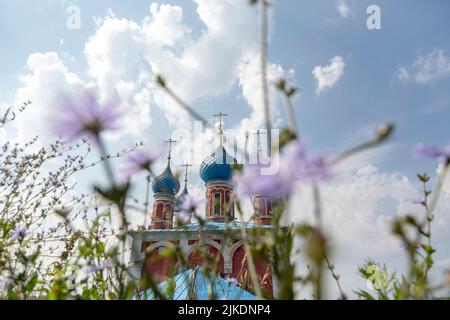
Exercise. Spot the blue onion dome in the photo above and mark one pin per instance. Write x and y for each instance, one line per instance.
(218, 166)
(184, 191)
(166, 183)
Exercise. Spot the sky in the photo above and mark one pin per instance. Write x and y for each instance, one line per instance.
(351, 79)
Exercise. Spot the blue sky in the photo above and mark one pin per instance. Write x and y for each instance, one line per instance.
(304, 35)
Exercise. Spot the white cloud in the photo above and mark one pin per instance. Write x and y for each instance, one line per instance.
(123, 56)
(362, 203)
(360, 207)
(327, 76)
(343, 8)
(250, 82)
(47, 75)
(205, 66)
(165, 25)
(357, 212)
(426, 69)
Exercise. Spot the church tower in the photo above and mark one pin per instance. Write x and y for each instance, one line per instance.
(216, 171)
(165, 187)
(180, 197)
(262, 204)
(218, 242)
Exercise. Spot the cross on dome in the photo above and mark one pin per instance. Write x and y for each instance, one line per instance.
(221, 117)
(258, 144)
(170, 142)
(186, 167)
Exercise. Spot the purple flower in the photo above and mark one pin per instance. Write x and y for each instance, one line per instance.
(141, 160)
(421, 199)
(20, 233)
(187, 207)
(55, 183)
(98, 268)
(252, 182)
(231, 281)
(86, 117)
(18, 182)
(304, 168)
(443, 154)
(295, 166)
(184, 216)
(6, 283)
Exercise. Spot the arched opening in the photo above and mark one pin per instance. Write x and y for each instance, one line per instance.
(241, 273)
(158, 267)
(209, 254)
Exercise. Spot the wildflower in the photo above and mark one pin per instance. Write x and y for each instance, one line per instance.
(55, 183)
(231, 281)
(421, 199)
(295, 167)
(311, 169)
(20, 233)
(252, 182)
(187, 207)
(18, 182)
(140, 160)
(184, 216)
(98, 268)
(384, 131)
(86, 117)
(443, 154)
(5, 283)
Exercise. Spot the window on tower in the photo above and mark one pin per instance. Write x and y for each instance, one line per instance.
(262, 206)
(217, 204)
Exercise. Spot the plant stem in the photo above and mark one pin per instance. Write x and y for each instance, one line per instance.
(290, 114)
(317, 206)
(265, 87)
(335, 277)
(437, 189)
(106, 163)
(147, 198)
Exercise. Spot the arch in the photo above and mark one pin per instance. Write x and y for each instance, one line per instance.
(195, 257)
(203, 243)
(235, 246)
(156, 266)
(159, 244)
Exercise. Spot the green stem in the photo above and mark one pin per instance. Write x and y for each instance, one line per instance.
(290, 114)
(106, 163)
(265, 87)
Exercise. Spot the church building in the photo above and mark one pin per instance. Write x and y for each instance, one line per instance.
(221, 235)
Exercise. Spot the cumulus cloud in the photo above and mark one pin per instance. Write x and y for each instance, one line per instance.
(195, 67)
(343, 8)
(426, 69)
(327, 76)
(360, 207)
(357, 212)
(123, 57)
(47, 75)
(249, 74)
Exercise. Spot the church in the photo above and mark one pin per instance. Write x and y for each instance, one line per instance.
(220, 234)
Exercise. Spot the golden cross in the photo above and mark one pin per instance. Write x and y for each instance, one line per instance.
(221, 115)
(258, 142)
(170, 142)
(186, 166)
